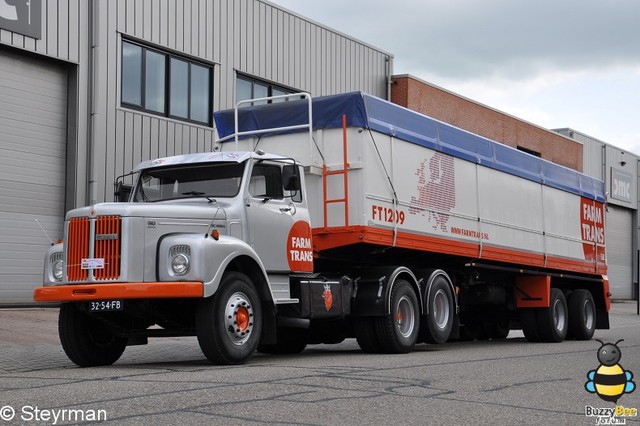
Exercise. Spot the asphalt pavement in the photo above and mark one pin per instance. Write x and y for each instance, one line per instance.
(169, 381)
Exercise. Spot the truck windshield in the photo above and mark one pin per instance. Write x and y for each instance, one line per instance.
(210, 181)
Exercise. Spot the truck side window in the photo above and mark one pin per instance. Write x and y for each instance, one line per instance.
(266, 181)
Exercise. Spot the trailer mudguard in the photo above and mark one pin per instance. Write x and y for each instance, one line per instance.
(372, 289)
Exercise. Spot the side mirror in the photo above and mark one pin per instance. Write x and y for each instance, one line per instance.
(121, 192)
(291, 178)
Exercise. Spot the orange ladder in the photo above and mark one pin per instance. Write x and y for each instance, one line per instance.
(344, 172)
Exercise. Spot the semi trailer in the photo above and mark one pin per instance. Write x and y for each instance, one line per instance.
(317, 220)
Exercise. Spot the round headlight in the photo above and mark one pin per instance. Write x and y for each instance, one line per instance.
(57, 269)
(180, 264)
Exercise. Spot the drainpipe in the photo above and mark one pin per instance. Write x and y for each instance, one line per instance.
(389, 71)
(90, 190)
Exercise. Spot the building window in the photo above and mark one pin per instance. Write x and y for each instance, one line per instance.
(165, 84)
(252, 88)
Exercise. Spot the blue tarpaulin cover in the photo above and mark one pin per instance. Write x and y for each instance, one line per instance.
(370, 112)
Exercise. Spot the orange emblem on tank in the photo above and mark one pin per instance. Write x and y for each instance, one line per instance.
(328, 297)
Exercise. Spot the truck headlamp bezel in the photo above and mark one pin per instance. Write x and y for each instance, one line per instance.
(180, 264)
(57, 269)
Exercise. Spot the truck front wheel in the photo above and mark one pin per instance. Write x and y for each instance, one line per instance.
(364, 329)
(229, 323)
(86, 340)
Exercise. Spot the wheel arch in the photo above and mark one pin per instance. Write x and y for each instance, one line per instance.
(405, 273)
(373, 289)
(248, 266)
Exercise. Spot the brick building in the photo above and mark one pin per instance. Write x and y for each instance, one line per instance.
(418, 95)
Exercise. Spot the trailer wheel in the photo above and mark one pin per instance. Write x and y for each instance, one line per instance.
(288, 341)
(365, 330)
(229, 323)
(439, 321)
(582, 315)
(529, 320)
(398, 331)
(553, 321)
(87, 341)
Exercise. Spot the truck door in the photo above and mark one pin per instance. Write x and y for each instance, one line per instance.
(279, 228)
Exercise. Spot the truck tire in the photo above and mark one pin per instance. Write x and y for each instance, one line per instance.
(553, 322)
(398, 331)
(440, 304)
(364, 329)
(582, 315)
(529, 320)
(288, 341)
(229, 323)
(86, 340)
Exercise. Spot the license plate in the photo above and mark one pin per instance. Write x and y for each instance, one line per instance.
(106, 305)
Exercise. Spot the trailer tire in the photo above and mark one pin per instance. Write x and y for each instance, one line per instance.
(288, 341)
(529, 320)
(365, 331)
(229, 323)
(398, 331)
(438, 323)
(87, 341)
(582, 315)
(553, 321)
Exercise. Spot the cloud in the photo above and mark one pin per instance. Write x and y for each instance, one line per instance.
(464, 38)
(568, 63)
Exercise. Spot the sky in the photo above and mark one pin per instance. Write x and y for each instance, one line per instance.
(556, 64)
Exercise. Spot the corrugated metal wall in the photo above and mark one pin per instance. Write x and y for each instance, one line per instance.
(249, 36)
(254, 37)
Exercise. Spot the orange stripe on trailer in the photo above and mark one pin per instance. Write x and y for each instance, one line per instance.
(152, 290)
(335, 237)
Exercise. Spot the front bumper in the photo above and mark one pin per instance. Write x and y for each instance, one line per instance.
(152, 290)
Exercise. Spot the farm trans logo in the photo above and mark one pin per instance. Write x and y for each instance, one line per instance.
(436, 190)
(300, 248)
(610, 381)
(592, 229)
